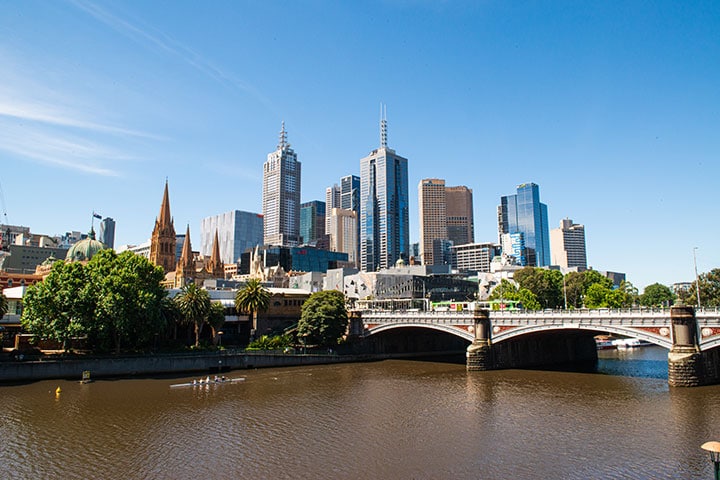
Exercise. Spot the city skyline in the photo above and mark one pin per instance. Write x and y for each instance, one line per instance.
(611, 108)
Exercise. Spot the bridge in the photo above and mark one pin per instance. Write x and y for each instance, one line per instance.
(500, 339)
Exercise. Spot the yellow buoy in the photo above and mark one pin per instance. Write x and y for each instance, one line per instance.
(57, 391)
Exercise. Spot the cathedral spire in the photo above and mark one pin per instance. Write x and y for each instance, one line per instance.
(164, 218)
(215, 266)
(186, 258)
(162, 242)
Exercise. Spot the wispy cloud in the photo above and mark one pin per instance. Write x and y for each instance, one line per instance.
(55, 115)
(60, 150)
(158, 40)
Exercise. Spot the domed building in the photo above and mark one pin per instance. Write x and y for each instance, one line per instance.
(84, 250)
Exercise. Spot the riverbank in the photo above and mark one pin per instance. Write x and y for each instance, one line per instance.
(213, 362)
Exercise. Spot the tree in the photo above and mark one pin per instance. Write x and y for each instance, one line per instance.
(324, 318)
(709, 284)
(128, 300)
(595, 295)
(194, 304)
(574, 289)
(115, 300)
(251, 299)
(507, 290)
(545, 284)
(61, 306)
(216, 318)
(657, 295)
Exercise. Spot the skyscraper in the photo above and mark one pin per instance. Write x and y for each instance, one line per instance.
(523, 213)
(312, 221)
(459, 209)
(568, 245)
(237, 231)
(281, 195)
(384, 225)
(343, 232)
(163, 240)
(433, 217)
(107, 232)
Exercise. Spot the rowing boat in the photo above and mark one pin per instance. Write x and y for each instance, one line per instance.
(204, 382)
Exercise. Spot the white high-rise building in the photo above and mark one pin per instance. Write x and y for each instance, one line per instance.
(567, 245)
(332, 200)
(281, 195)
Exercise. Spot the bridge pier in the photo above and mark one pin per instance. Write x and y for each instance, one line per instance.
(480, 352)
(688, 366)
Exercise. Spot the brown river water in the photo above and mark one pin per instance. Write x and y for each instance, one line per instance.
(384, 420)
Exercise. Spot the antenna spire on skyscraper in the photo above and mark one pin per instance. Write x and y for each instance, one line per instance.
(383, 126)
(283, 138)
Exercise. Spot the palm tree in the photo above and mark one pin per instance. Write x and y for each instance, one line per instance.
(252, 299)
(194, 304)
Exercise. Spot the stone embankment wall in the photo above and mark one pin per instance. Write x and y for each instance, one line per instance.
(12, 371)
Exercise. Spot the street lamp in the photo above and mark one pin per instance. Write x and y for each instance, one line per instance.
(697, 280)
(220, 334)
(714, 449)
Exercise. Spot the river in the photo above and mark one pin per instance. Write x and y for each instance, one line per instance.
(383, 420)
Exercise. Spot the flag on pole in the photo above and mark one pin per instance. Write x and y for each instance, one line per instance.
(96, 215)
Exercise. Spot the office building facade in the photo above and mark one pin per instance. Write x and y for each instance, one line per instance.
(312, 221)
(568, 245)
(524, 213)
(460, 218)
(107, 232)
(343, 233)
(237, 231)
(433, 218)
(475, 257)
(281, 195)
(384, 208)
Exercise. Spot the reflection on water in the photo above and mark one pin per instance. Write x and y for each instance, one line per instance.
(393, 419)
(650, 362)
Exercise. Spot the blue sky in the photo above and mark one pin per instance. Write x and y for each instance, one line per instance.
(613, 108)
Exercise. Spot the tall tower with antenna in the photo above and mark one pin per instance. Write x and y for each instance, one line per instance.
(384, 207)
(281, 195)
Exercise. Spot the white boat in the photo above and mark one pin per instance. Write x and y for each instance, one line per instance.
(630, 343)
(604, 344)
(208, 381)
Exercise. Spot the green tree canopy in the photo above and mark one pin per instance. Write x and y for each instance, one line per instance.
(574, 289)
(128, 298)
(61, 306)
(547, 285)
(324, 318)
(709, 284)
(251, 299)
(657, 295)
(115, 300)
(506, 290)
(194, 304)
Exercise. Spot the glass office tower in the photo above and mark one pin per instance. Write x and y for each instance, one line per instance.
(384, 224)
(523, 213)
